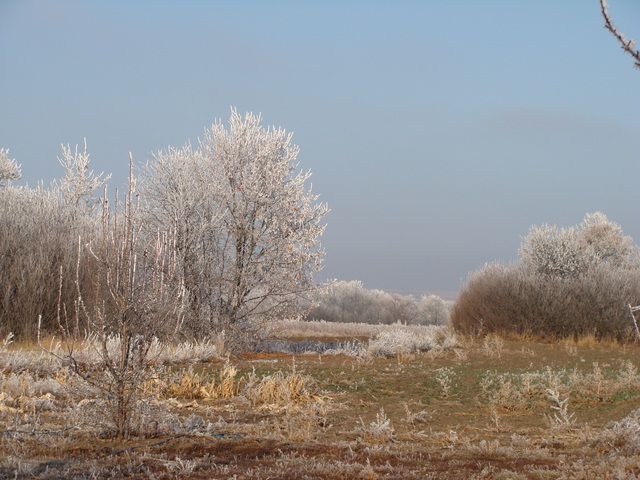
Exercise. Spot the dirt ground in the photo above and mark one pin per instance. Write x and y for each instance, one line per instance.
(484, 410)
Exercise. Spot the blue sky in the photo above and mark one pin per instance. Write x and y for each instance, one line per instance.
(438, 131)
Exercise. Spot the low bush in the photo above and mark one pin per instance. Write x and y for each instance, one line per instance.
(545, 295)
(508, 299)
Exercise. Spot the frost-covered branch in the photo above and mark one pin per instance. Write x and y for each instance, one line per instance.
(626, 44)
(79, 183)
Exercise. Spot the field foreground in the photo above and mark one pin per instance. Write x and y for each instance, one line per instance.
(485, 409)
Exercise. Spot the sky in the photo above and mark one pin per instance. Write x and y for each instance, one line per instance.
(437, 131)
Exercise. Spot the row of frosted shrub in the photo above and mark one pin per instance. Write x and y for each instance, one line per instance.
(350, 302)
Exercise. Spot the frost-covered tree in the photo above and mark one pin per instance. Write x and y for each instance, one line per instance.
(604, 242)
(350, 301)
(9, 169)
(270, 223)
(434, 310)
(247, 225)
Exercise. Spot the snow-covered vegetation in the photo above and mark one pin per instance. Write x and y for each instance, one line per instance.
(218, 239)
(9, 169)
(350, 302)
(568, 282)
(363, 340)
(246, 226)
(236, 223)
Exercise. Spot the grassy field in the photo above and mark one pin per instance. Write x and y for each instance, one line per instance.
(470, 408)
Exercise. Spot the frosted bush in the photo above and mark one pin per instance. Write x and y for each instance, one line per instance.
(378, 431)
(569, 282)
(573, 251)
(27, 214)
(400, 342)
(550, 250)
(622, 436)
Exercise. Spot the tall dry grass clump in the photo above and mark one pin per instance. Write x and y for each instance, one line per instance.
(279, 389)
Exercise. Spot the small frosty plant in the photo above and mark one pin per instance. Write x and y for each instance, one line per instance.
(378, 431)
(444, 378)
(562, 418)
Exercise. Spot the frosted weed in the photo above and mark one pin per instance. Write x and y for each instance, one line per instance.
(378, 431)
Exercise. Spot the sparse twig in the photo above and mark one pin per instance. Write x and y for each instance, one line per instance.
(139, 299)
(626, 44)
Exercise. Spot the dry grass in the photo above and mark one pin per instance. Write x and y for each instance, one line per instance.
(292, 328)
(276, 390)
(535, 411)
(28, 355)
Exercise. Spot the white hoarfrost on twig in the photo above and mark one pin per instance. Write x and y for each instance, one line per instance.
(626, 44)
(9, 169)
(77, 187)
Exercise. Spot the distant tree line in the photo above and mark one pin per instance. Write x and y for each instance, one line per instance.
(350, 302)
